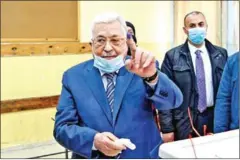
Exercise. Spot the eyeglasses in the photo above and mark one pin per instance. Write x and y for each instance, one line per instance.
(102, 41)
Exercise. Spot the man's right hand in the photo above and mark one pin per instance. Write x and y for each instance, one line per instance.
(168, 137)
(104, 142)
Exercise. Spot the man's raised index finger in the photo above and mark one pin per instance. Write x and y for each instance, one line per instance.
(131, 44)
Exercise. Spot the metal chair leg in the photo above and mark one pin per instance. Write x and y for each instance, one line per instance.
(66, 153)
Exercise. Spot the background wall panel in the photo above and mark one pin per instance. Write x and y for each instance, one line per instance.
(39, 19)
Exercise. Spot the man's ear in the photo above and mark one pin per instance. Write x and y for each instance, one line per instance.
(185, 30)
(91, 44)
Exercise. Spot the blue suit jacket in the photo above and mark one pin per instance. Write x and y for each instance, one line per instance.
(226, 116)
(83, 111)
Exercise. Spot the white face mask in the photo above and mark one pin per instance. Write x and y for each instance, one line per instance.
(108, 66)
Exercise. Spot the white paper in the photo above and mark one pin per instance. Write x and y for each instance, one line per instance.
(127, 143)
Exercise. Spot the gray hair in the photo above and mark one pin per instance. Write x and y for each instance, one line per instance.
(109, 17)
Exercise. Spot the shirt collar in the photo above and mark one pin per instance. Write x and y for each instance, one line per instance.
(102, 72)
(193, 49)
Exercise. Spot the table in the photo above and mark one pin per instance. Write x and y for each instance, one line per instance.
(220, 145)
(47, 149)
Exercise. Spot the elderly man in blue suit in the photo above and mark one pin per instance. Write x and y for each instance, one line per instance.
(108, 99)
(227, 104)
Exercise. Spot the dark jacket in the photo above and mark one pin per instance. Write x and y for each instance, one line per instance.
(227, 104)
(178, 66)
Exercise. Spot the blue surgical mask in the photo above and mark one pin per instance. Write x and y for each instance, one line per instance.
(108, 66)
(197, 35)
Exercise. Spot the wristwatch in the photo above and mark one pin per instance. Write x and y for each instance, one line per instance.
(149, 79)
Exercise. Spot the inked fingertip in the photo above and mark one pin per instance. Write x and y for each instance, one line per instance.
(129, 35)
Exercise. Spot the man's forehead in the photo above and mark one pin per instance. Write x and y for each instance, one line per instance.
(195, 18)
(108, 29)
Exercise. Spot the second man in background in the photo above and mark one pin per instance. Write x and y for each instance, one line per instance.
(196, 68)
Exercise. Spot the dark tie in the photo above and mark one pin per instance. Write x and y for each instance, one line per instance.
(110, 89)
(200, 75)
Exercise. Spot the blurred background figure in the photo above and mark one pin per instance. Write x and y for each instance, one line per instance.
(196, 67)
(226, 113)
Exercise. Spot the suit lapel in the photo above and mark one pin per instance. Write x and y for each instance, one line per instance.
(123, 80)
(94, 81)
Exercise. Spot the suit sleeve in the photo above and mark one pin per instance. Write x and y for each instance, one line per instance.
(166, 116)
(223, 102)
(69, 130)
(166, 94)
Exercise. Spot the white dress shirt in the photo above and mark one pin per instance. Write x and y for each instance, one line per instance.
(207, 69)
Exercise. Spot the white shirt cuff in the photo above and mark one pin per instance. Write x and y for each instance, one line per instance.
(152, 85)
(94, 148)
